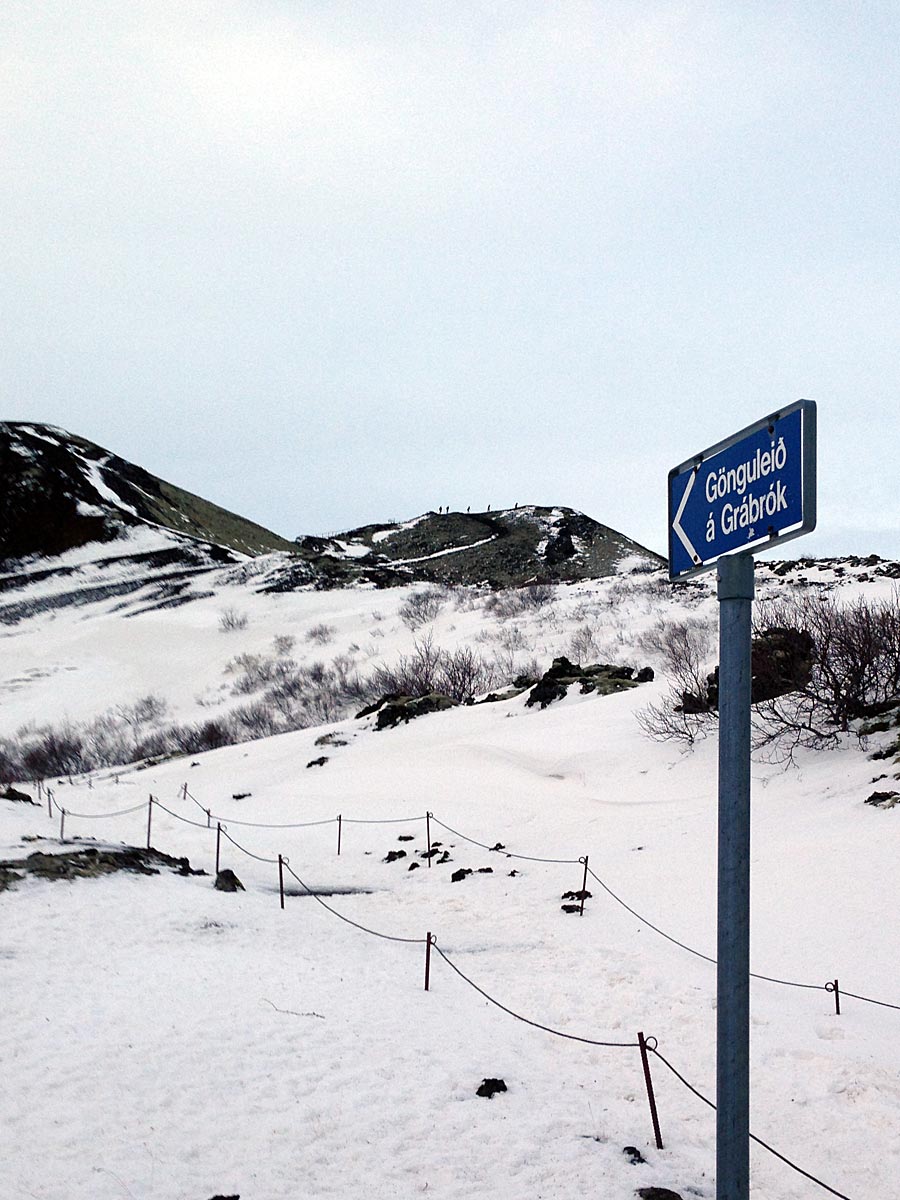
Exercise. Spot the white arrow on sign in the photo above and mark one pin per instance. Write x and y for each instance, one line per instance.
(676, 524)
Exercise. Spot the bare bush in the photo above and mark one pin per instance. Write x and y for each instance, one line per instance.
(583, 647)
(421, 607)
(322, 633)
(413, 674)
(854, 671)
(255, 671)
(461, 674)
(687, 711)
(283, 644)
(231, 620)
(465, 674)
(56, 752)
(832, 666)
(513, 602)
(259, 719)
(148, 710)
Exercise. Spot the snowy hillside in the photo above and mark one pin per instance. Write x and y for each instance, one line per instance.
(168, 1040)
(62, 493)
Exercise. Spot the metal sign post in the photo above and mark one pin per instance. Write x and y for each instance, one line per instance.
(735, 592)
(749, 492)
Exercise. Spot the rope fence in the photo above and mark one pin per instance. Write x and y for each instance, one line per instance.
(647, 1046)
(831, 986)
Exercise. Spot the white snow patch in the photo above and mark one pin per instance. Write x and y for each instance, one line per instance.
(444, 553)
(41, 436)
(353, 549)
(382, 534)
(93, 472)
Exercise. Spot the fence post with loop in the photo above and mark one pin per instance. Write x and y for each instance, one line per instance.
(339, 834)
(428, 836)
(645, 1061)
(281, 879)
(62, 824)
(428, 943)
(149, 819)
(834, 987)
(218, 843)
(583, 884)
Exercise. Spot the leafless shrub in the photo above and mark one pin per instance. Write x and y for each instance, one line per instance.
(851, 672)
(583, 646)
(322, 633)
(413, 674)
(854, 673)
(686, 712)
(421, 607)
(513, 602)
(208, 735)
(254, 671)
(259, 719)
(148, 710)
(231, 620)
(461, 674)
(463, 599)
(56, 752)
(465, 674)
(283, 644)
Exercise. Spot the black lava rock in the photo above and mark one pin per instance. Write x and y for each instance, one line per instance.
(227, 881)
(490, 1087)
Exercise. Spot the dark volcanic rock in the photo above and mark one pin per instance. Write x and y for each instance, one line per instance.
(20, 797)
(781, 662)
(94, 861)
(658, 1193)
(394, 709)
(227, 881)
(884, 799)
(490, 1088)
(603, 678)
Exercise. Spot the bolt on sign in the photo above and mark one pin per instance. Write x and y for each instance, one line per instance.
(753, 490)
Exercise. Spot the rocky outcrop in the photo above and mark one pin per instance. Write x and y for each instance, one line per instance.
(394, 709)
(605, 679)
(91, 862)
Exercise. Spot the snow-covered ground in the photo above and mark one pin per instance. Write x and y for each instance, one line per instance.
(164, 1040)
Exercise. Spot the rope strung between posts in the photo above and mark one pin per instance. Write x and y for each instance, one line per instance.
(99, 816)
(382, 820)
(179, 817)
(572, 1037)
(502, 850)
(432, 942)
(260, 825)
(388, 937)
(816, 987)
(243, 849)
(869, 1000)
(753, 1138)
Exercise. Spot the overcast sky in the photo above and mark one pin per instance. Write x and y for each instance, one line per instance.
(330, 262)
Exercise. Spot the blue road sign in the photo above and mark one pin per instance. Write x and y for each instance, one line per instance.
(749, 492)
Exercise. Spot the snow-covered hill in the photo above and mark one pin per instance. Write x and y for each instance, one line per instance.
(167, 1040)
(61, 493)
